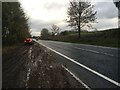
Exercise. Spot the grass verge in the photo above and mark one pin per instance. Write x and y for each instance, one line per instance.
(8, 50)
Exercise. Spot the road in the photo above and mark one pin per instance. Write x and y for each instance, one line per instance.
(96, 66)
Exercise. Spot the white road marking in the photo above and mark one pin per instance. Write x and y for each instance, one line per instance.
(100, 75)
(76, 78)
(94, 51)
(28, 76)
(30, 53)
(25, 51)
(98, 46)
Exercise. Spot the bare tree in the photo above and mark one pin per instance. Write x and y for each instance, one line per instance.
(55, 29)
(80, 14)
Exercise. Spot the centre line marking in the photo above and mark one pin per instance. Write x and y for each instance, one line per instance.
(88, 50)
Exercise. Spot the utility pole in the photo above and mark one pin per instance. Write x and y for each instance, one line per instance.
(117, 4)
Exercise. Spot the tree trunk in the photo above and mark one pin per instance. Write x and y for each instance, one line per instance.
(79, 21)
(79, 29)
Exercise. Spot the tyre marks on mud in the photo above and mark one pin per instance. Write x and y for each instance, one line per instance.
(28, 64)
(13, 68)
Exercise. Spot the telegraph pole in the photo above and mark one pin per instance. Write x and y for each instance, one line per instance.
(117, 4)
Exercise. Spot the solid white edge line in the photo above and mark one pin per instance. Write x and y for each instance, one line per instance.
(100, 75)
(76, 77)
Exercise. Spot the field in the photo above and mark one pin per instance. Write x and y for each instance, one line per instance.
(107, 38)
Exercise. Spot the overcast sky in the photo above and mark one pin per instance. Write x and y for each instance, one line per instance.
(44, 13)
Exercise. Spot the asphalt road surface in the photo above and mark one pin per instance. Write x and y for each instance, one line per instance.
(96, 66)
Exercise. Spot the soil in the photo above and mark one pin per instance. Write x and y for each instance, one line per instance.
(34, 67)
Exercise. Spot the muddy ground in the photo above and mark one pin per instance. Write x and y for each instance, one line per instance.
(34, 67)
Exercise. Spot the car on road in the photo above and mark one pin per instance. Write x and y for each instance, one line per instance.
(37, 39)
(28, 41)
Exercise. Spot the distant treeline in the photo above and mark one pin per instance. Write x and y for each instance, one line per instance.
(14, 24)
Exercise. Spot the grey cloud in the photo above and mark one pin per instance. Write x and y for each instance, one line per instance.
(37, 25)
(105, 24)
(54, 6)
(106, 10)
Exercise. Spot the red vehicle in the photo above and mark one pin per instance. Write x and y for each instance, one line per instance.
(28, 41)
